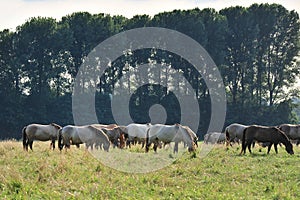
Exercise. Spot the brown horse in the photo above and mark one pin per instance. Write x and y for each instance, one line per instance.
(265, 134)
(114, 133)
(40, 132)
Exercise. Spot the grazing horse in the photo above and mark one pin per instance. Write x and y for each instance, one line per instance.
(291, 130)
(40, 132)
(89, 135)
(136, 133)
(234, 132)
(214, 137)
(115, 135)
(167, 134)
(270, 135)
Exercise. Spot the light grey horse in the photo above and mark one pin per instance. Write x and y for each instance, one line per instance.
(39, 132)
(89, 135)
(167, 134)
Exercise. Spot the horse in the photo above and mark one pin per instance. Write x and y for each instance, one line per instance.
(135, 133)
(114, 133)
(234, 132)
(167, 134)
(271, 135)
(89, 135)
(291, 130)
(214, 137)
(40, 132)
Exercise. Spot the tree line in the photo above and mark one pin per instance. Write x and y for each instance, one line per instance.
(255, 49)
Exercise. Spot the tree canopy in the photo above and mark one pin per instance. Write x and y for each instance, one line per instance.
(255, 49)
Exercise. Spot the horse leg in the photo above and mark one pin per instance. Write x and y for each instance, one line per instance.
(53, 144)
(155, 147)
(275, 147)
(30, 145)
(26, 145)
(176, 147)
(249, 146)
(128, 143)
(244, 146)
(147, 146)
(269, 148)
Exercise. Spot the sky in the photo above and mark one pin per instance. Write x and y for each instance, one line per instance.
(16, 12)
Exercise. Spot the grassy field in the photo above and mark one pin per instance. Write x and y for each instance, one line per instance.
(77, 174)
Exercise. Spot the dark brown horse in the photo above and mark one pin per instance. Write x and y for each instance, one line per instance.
(264, 134)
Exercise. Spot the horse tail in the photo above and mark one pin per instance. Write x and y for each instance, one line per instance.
(227, 137)
(147, 140)
(244, 141)
(24, 137)
(60, 139)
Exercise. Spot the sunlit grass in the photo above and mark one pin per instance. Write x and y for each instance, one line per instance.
(77, 174)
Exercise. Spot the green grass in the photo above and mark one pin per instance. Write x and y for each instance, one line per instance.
(77, 174)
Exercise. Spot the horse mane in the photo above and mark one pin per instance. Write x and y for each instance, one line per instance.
(56, 125)
(283, 135)
(190, 131)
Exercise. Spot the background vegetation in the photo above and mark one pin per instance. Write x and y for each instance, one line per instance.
(255, 49)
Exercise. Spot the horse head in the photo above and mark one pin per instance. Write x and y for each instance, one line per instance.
(289, 148)
(192, 135)
(286, 141)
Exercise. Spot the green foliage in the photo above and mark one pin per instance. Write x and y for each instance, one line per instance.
(254, 48)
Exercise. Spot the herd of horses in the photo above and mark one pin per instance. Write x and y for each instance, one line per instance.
(102, 136)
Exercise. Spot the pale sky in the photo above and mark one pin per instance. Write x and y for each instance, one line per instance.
(16, 12)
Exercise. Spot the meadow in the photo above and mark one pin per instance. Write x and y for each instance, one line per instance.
(77, 174)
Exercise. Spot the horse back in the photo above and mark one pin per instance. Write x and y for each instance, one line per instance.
(137, 130)
(263, 134)
(40, 132)
(235, 130)
(291, 130)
